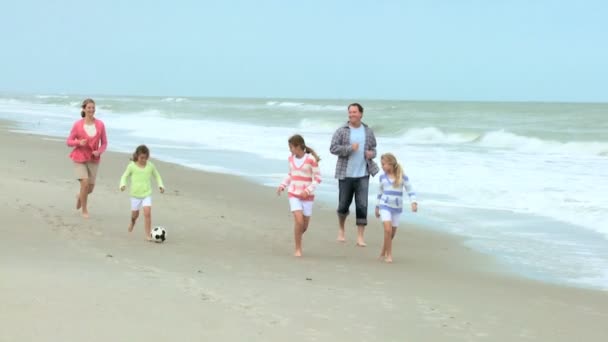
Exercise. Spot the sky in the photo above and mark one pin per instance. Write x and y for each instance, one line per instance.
(499, 50)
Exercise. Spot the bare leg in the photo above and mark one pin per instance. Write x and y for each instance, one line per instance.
(346, 191)
(360, 240)
(148, 222)
(388, 241)
(84, 193)
(394, 232)
(382, 252)
(298, 230)
(341, 233)
(361, 192)
(306, 222)
(134, 216)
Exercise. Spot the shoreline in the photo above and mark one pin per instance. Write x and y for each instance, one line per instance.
(495, 261)
(228, 262)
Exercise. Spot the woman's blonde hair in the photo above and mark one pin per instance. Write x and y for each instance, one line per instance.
(390, 159)
(298, 141)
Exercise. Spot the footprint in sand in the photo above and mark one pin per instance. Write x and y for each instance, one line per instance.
(447, 318)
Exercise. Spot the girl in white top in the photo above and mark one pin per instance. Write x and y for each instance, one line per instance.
(301, 182)
(390, 201)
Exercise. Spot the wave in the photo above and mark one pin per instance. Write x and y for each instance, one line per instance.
(17, 108)
(506, 140)
(174, 99)
(318, 125)
(433, 135)
(11, 101)
(305, 106)
(52, 96)
(502, 139)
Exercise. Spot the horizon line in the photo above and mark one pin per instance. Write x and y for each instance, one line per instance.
(350, 100)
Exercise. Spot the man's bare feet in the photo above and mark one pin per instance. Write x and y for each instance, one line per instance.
(388, 259)
(360, 240)
(297, 254)
(85, 215)
(341, 236)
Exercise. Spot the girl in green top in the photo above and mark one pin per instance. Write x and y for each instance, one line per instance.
(141, 171)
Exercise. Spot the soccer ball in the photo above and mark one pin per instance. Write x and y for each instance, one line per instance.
(159, 234)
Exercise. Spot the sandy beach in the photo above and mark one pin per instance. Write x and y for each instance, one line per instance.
(226, 272)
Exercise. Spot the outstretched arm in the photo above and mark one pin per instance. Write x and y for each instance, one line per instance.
(380, 192)
(125, 177)
(285, 183)
(159, 179)
(410, 193)
(409, 189)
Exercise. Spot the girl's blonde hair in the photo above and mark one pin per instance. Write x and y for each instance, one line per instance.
(397, 170)
(298, 141)
(84, 105)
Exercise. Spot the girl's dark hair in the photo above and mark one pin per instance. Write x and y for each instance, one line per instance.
(298, 141)
(84, 105)
(141, 149)
(360, 107)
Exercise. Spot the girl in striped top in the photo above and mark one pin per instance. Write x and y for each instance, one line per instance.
(390, 201)
(301, 181)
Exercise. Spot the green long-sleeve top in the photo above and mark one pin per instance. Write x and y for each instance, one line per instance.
(141, 179)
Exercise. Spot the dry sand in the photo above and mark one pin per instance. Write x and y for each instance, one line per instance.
(226, 272)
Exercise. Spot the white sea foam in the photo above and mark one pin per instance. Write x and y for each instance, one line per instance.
(305, 106)
(174, 99)
(52, 96)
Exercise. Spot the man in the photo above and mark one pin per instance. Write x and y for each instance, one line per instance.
(355, 145)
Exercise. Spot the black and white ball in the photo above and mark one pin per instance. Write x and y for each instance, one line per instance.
(159, 234)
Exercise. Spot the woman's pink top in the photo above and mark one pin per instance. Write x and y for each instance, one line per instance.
(99, 142)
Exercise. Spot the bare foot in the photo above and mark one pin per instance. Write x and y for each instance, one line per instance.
(78, 204)
(341, 237)
(388, 259)
(149, 239)
(85, 214)
(361, 244)
(297, 254)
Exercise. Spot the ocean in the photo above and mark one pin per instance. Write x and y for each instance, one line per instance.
(524, 182)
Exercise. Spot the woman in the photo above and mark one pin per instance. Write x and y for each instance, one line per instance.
(88, 137)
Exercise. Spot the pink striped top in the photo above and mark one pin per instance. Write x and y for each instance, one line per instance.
(305, 177)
